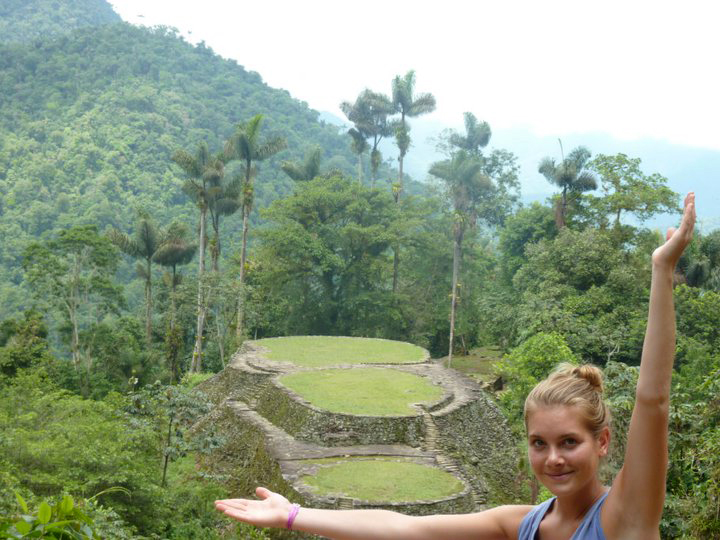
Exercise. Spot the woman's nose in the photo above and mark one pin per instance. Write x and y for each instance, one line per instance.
(555, 457)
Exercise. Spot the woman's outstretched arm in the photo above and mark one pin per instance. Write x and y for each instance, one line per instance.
(638, 493)
(274, 510)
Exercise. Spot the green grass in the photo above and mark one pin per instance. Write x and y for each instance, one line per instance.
(363, 391)
(383, 480)
(479, 364)
(321, 351)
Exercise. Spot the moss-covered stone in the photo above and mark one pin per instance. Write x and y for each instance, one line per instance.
(307, 423)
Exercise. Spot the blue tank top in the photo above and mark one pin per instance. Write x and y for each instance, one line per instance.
(589, 528)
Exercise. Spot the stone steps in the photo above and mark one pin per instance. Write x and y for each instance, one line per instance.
(432, 444)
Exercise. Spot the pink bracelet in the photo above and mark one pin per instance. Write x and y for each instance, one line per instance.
(293, 515)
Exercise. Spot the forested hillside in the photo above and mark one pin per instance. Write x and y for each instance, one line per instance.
(23, 21)
(90, 120)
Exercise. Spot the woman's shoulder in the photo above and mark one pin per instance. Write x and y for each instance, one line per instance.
(511, 517)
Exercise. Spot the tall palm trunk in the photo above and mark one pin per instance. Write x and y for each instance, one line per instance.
(148, 305)
(196, 365)
(396, 248)
(241, 294)
(456, 270)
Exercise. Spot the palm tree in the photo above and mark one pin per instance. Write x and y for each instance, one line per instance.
(143, 244)
(308, 169)
(408, 105)
(370, 114)
(203, 170)
(224, 199)
(477, 135)
(468, 187)
(570, 175)
(359, 146)
(245, 145)
(175, 249)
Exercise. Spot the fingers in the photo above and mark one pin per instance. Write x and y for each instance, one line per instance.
(233, 503)
(233, 512)
(262, 492)
(670, 232)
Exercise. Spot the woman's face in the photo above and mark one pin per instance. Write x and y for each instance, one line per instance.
(564, 453)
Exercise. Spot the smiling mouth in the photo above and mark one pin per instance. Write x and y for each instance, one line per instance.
(562, 476)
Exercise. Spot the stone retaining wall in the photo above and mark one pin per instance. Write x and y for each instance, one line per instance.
(476, 435)
(305, 422)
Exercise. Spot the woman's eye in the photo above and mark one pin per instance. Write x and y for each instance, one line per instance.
(537, 443)
(570, 442)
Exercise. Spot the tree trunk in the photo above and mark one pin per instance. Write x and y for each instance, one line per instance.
(220, 339)
(75, 344)
(396, 265)
(396, 249)
(196, 365)
(243, 257)
(215, 251)
(453, 302)
(148, 305)
(563, 210)
(167, 456)
(360, 169)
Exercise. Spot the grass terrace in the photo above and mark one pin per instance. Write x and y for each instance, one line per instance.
(381, 480)
(321, 351)
(364, 391)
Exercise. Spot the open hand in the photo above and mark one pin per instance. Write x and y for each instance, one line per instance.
(677, 240)
(272, 510)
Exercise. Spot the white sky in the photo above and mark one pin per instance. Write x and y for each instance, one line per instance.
(631, 68)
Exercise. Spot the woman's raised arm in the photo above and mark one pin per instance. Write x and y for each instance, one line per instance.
(636, 500)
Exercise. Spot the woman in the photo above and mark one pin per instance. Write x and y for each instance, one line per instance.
(568, 435)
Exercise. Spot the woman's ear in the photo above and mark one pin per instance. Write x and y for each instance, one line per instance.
(604, 441)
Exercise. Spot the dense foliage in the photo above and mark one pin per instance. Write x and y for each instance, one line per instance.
(22, 21)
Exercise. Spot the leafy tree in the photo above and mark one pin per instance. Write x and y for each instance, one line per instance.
(143, 244)
(571, 175)
(323, 259)
(700, 264)
(528, 364)
(626, 189)
(370, 114)
(85, 456)
(73, 273)
(527, 226)
(588, 290)
(246, 146)
(23, 343)
(171, 410)
(203, 171)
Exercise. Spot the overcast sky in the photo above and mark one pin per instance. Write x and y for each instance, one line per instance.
(631, 69)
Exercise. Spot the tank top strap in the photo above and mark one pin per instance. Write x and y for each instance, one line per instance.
(531, 522)
(589, 529)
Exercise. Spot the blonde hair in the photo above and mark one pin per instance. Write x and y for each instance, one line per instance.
(576, 386)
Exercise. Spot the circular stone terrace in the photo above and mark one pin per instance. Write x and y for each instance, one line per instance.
(355, 422)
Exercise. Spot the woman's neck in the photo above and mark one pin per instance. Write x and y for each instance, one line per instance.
(574, 507)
